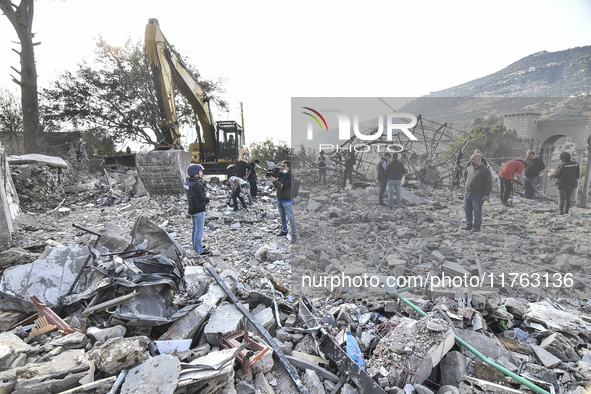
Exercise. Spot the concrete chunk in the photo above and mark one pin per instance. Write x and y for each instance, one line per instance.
(158, 375)
(118, 354)
(225, 320)
(548, 359)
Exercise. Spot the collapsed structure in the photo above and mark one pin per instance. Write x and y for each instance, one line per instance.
(98, 294)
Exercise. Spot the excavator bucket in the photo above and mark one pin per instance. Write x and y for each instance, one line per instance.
(163, 171)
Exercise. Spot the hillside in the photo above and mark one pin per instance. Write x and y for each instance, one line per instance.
(555, 84)
(543, 74)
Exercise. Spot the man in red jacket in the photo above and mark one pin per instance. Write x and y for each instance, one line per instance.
(509, 170)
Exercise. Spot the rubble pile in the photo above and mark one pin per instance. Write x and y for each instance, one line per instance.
(105, 295)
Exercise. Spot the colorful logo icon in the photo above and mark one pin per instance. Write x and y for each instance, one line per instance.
(315, 118)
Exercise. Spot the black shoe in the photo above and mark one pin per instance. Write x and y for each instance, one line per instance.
(476, 229)
(205, 253)
(282, 234)
(383, 204)
(467, 228)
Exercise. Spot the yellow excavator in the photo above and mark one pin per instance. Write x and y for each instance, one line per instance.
(216, 146)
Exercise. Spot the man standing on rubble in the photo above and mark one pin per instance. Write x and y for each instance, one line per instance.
(382, 180)
(394, 173)
(252, 179)
(567, 175)
(283, 187)
(349, 163)
(322, 163)
(242, 169)
(197, 200)
(478, 188)
(533, 166)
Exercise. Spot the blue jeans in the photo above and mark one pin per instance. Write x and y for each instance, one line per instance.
(395, 184)
(473, 203)
(286, 212)
(529, 186)
(321, 176)
(198, 222)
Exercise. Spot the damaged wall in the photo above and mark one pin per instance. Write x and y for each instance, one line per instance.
(9, 202)
(57, 144)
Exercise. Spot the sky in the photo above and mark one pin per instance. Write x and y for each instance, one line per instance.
(267, 52)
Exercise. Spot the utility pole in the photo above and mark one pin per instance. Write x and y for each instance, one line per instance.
(242, 120)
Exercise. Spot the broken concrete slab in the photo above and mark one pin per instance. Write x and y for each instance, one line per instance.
(187, 326)
(562, 347)
(11, 347)
(548, 359)
(118, 354)
(556, 320)
(48, 373)
(454, 367)
(225, 320)
(157, 375)
(490, 347)
(35, 158)
(76, 340)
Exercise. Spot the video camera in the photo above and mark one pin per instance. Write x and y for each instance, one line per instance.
(274, 172)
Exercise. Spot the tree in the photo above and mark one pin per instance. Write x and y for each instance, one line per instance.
(116, 95)
(21, 18)
(11, 117)
(270, 150)
(496, 142)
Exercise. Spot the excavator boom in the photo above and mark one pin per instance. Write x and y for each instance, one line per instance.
(215, 147)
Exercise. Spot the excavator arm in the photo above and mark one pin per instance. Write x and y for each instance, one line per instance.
(169, 71)
(162, 171)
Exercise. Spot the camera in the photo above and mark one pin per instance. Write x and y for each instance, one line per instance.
(273, 172)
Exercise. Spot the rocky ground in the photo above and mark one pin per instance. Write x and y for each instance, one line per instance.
(519, 295)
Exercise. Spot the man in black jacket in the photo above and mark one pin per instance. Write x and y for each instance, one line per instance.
(478, 188)
(533, 166)
(567, 174)
(382, 180)
(197, 200)
(394, 173)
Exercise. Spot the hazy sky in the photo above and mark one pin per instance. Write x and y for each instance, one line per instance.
(270, 51)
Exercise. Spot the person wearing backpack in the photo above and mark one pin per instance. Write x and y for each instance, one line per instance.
(283, 185)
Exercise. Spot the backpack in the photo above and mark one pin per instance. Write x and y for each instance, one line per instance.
(295, 186)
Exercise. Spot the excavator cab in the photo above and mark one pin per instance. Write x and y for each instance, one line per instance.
(230, 139)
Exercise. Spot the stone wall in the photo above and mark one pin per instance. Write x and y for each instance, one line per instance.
(523, 123)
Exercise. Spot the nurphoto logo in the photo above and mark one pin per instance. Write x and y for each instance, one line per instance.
(394, 123)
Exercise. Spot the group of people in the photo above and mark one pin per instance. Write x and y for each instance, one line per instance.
(526, 172)
(242, 184)
(349, 161)
(390, 171)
